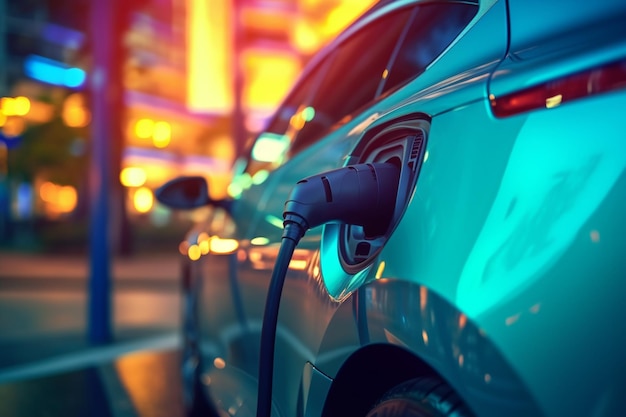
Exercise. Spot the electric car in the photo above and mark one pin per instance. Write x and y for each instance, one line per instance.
(431, 224)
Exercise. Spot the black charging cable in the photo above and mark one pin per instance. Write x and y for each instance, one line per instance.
(364, 195)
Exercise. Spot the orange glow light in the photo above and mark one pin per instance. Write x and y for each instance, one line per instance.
(265, 19)
(75, 112)
(13, 126)
(219, 363)
(40, 112)
(462, 321)
(76, 117)
(47, 192)
(183, 247)
(58, 199)
(67, 199)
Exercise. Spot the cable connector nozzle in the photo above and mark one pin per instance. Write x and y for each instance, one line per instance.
(295, 227)
(363, 194)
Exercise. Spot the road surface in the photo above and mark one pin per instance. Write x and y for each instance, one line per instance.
(47, 366)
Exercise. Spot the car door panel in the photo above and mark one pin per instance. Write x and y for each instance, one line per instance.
(539, 181)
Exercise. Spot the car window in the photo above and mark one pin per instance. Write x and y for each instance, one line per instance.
(432, 28)
(271, 146)
(345, 80)
(283, 119)
(371, 63)
(356, 71)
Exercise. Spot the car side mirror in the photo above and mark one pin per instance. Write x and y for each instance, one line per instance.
(184, 193)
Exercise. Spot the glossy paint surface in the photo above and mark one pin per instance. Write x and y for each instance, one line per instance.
(505, 273)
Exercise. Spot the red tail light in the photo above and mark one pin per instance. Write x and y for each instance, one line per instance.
(556, 92)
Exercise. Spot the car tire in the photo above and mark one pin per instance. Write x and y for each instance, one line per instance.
(421, 397)
(195, 403)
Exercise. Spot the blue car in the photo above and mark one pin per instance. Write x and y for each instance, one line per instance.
(433, 223)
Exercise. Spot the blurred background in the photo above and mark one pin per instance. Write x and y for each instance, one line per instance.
(101, 102)
(189, 83)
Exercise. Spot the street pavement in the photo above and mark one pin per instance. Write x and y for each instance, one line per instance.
(47, 365)
(158, 267)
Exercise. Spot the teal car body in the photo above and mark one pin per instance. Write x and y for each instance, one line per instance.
(503, 272)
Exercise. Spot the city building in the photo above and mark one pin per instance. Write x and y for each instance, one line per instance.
(198, 78)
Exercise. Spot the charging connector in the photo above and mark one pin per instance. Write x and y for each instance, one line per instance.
(363, 195)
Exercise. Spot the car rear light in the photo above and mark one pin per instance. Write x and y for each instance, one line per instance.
(556, 92)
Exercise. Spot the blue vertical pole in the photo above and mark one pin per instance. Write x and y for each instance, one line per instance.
(99, 297)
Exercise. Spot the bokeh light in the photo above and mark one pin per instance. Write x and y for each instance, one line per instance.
(194, 252)
(144, 128)
(15, 106)
(143, 200)
(133, 177)
(58, 199)
(162, 134)
(75, 111)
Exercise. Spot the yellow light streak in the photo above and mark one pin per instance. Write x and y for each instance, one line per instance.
(380, 270)
(209, 56)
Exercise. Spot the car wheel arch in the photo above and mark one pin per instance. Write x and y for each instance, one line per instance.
(391, 354)
(354, 391)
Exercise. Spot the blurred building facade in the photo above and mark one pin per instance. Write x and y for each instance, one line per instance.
(199, 79)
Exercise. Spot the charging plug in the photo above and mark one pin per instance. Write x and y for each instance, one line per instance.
(363, 194)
